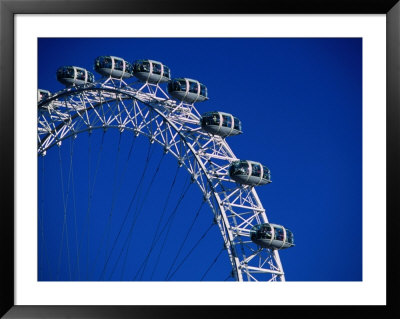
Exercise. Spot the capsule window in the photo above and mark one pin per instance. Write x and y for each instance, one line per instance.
(237, 125)
(215, 119)
(142, 66)
(210, 119)
(106, 62)
(65, 73)
(256, 170)
(166, 72)
(240, 168)
(80, 75)
(90, 77)
(118, 65)
(173, 86)
(146, 66)
(266, 173)
(156, 68)
(193, 87)
(279, 234)
(264, 233)
(128, 68)
(227, 121)
(181, 86)
(177, 85)
(289, 235)
(203, 90)
(98, 63)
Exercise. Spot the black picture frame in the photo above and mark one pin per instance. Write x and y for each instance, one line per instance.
(8, 10)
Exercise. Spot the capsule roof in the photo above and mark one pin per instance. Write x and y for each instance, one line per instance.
(272, 236)
(249, 173)
(151, 71)
(113, 66)
(187, 90)
(221, 123)
(73, 75)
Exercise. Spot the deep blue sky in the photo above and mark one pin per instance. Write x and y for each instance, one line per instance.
(300, 103)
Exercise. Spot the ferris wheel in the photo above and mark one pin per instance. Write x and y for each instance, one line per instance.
(133, 97)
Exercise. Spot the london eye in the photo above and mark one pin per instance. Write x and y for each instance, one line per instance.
(142, 99)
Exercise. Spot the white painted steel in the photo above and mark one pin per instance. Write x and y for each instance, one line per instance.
(147, 110)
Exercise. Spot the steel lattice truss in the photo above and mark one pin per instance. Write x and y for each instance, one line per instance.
(146, 109)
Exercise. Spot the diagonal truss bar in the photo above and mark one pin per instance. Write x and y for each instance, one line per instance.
(147, 110)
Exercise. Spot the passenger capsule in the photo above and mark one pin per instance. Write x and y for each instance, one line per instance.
(151, 71)
(272, 236)
(113, 66)
(187, 90)
(222, 124)
(43, 94)
(249, 173)
(73, 75)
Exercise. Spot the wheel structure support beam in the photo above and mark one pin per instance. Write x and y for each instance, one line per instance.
(176, 127)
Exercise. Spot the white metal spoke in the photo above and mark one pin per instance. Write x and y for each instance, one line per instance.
(146, 109)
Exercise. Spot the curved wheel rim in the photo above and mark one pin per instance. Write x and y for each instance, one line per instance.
(148, 110)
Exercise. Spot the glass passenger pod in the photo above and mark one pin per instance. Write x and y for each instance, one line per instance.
(187, 90)
(73, 76)
(151, 71)
(220, 123)
(249, 173)
(272, 236)
(43, 95)
(113, 66)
